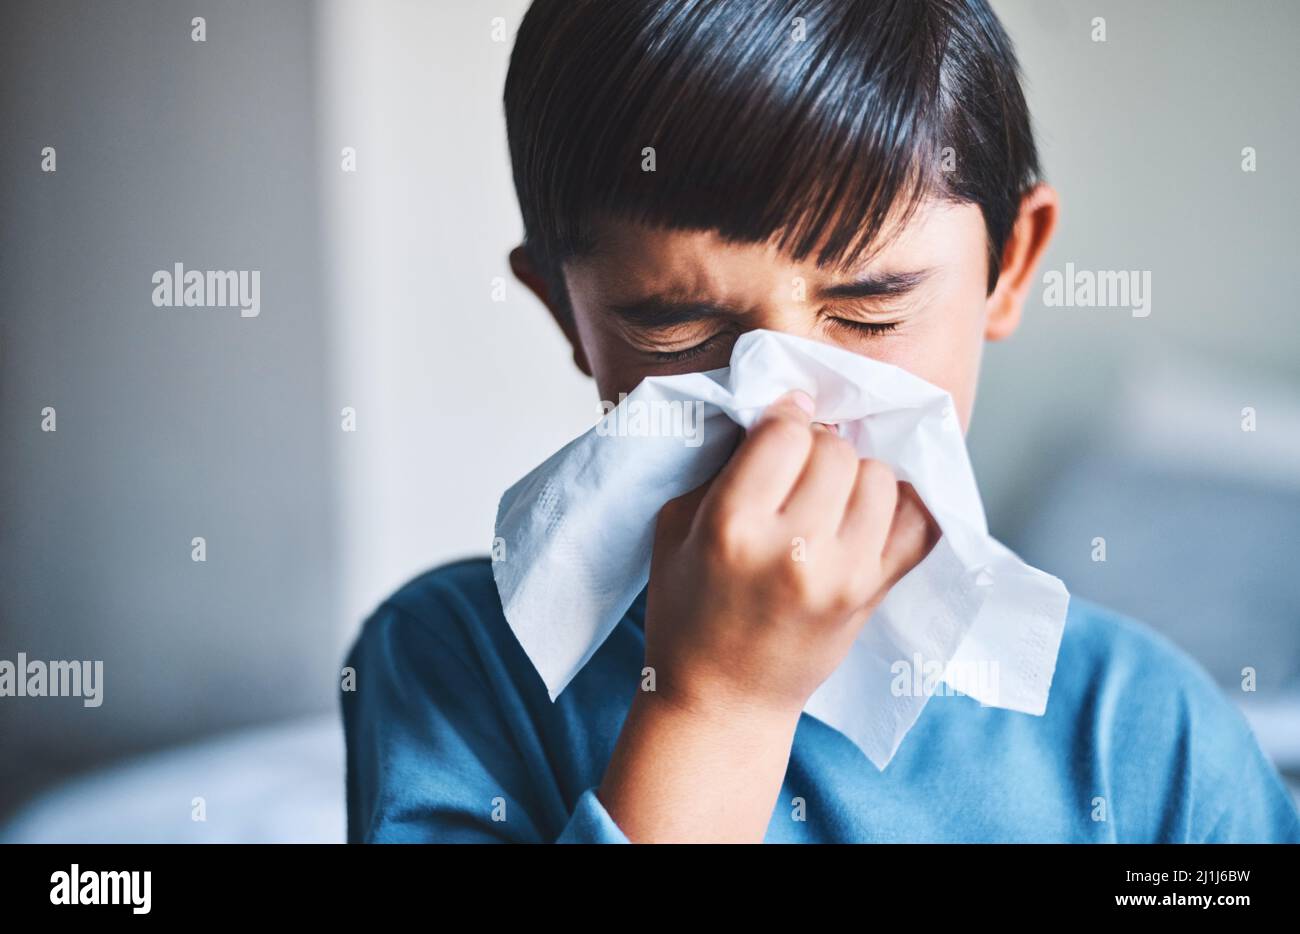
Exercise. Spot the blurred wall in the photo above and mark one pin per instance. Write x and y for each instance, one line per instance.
(457, 395)
(1142, 135)
(171, 423)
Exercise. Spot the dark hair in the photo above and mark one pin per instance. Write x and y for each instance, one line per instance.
(761, 131)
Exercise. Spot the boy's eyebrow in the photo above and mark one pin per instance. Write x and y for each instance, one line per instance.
(665, 310)
(877, 285)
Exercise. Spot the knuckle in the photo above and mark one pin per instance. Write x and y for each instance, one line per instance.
(672, 509)
(727, 537)
(801, 583)
(667, 520)
(878, 469)
(817, 591)
(866, 580)
(877, 475)
(837, 600)
(675, 513)
(837, 449)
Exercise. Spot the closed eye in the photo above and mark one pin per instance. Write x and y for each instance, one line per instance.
(863, 327)
(688, 353)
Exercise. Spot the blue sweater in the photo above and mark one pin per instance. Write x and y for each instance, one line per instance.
(451, 737)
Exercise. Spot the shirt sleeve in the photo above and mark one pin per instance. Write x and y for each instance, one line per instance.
(1257, 807)
(1182, 763)
(438, 753)
(591, 823)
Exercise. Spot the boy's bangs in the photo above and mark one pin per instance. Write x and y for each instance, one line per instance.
(823, 184)
(751, 125)
(814, 125)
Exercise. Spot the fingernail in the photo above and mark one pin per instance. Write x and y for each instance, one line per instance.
(804, 401)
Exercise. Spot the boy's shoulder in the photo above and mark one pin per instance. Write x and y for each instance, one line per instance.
(1151, 711)
(1128, 670)
(448, 615)
(1108, 649)
(454, 603)
(467, 581)
(447, 626)
(1100, 640)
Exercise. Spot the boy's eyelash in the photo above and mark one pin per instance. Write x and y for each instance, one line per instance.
(672, 356)
(859, 327)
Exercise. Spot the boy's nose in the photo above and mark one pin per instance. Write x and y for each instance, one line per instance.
(798, 320)
(791, 317)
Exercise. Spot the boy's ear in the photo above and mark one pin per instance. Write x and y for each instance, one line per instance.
(526, 271)
(1029, 237)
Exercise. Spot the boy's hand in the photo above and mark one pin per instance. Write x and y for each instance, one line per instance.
(759, 583)
(762, 578)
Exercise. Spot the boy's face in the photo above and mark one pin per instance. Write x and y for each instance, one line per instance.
(651, 302)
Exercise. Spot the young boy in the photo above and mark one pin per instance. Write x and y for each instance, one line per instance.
(860, 172)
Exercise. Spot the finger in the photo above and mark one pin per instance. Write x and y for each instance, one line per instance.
(913, 532)
(870, 509)
(674, 520)
(817, 500)
(769, 460)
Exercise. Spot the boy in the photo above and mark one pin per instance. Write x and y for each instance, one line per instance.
(860, 172)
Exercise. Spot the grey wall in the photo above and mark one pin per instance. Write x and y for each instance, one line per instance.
(1142, 136)
(171, 422)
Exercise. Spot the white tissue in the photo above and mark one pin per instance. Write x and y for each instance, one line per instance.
(574, 537)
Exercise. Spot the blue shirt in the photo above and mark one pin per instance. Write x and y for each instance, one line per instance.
(451, 737)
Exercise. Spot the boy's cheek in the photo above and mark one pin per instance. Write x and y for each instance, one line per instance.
(620, 370)
(945, 352)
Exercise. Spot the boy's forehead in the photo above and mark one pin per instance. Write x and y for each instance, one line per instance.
(936, 232)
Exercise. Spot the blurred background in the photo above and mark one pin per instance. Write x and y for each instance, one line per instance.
(377, 294)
